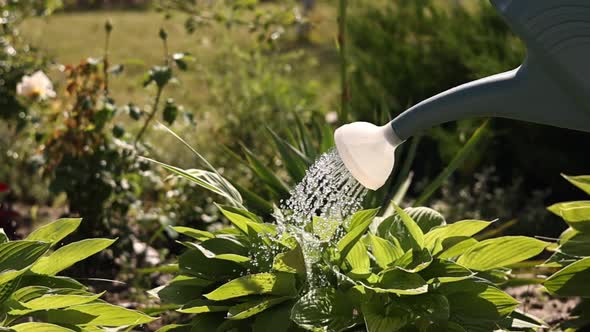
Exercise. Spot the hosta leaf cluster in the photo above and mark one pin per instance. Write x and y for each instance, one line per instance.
(408, 271)
(34, 298)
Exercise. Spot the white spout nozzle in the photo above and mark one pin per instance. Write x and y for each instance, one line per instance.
(368, 151)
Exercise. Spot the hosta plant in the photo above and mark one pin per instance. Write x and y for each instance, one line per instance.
(572, 255)
(407, 271)
(33, 297)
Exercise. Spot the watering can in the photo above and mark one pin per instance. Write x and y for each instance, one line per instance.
(551, 87)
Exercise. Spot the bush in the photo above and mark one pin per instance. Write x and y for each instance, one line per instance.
(34, 298)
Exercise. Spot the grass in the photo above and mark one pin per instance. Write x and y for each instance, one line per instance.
(71, 37)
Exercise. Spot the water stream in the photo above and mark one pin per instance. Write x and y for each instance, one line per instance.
(323, 201)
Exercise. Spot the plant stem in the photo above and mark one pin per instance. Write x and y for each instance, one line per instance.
(345, 93)
(105, 62)
(150, 116)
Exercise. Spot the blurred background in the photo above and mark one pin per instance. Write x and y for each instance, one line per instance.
(257, 87)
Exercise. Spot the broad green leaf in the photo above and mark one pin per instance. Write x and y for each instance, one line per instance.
(55, 231)
(431, 306)
(282, 284)
(462, 245)
(360, 217)
(50, 281)
(358, 259)
(8, 288)
(180, 290)
(380, 316)
(238, 220)
(38, 327)
(411, 226)
(571, 280)
(577, 245)
(426, 218)
(70, 254)
(196, 234)
(324, 309)
(499, 252)
(196, 263)
(251, 308)
(441, 271)
(576, 214)
(200, 306)
(17, 255)
(477, 300)
(384, 251)
(581, 181)
(225, 245)
(414, 260)
(53, 301)
(111, 315)
(464, 228)
(291, 261)
(354, 234)
(175, 328)
(400, 282)
(275, 319)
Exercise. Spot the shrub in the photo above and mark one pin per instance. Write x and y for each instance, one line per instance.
(32, 295)
(408, 270)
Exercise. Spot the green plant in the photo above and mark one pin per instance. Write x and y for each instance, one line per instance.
(572, 254)
(34, 298)
(407, 270)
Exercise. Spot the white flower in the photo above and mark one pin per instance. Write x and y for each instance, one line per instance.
(331, 117)
(37, 85)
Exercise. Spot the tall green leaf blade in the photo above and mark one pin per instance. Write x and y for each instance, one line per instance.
(282, 284)
(69, 255)
(500, 252)
(295, 161)
(269, 177)
(55, 231)
(459, 158)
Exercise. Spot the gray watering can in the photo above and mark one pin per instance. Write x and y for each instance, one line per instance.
(551, 87)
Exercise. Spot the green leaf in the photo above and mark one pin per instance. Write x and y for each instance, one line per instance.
(500, 252)
(571, 280)
(581, 181)
(55, 231)
(325, 309)
(70, 254)
(324, 228)
(254, 307)
(282, 284)
(462, 245)
(291, 261)
(275, 319)
(577, 245)
(38, 327)
(358, 259)
(576, 214)
(111, 315)
(426, 218)
(53, 301)
(17, 255)
(411, 226)
(384, 251)
(349, 240)
(442, 271)
(477, 300)
(295, 161)
(180, 290)
(196, 234)
(400, 282)
(360, 217)
(196, 263)
(430, 306)
(200, 306)
(380, 316)
(240, 221)
(272, 180)
(464, 228)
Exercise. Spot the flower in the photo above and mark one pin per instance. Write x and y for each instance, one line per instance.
(37, 85)
(331, 117)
